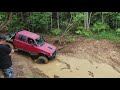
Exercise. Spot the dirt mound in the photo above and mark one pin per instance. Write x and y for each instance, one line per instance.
(100, 51)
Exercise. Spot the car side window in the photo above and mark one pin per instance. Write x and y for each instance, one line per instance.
(31, 41)
(22, 38)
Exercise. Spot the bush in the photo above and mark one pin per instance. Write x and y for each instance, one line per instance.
(78, 17)
(87, 33)
(2, 17)
(99, 26)
(82, 31)
(70, 39)
(39, 21)
(15, 24)
(118, 31)
(108, 35)
(56, 32)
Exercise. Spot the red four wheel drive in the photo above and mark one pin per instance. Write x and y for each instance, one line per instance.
(33, 44)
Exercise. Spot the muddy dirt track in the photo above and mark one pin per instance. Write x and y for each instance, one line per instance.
(85, 58)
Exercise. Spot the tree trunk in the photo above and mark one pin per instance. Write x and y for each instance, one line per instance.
(58, 20)
(90, 18)
(51, 20)
(22, 16)
(102, 17)
(116, 22)
(86, 20)
(7, 21)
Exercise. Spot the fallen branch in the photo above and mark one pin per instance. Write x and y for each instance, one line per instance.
(66, 31)
(7, 21)
(61, 47)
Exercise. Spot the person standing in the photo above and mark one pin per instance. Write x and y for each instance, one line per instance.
(5, 58)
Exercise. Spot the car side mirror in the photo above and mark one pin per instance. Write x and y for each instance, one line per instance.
(41, 36)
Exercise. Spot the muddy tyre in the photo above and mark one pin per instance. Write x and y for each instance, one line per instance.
(9, 45)
(42, 60)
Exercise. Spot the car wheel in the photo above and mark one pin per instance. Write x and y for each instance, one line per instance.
(42, 60)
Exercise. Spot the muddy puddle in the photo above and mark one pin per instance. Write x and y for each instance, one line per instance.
(77, 68)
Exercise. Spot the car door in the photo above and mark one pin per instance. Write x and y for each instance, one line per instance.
(31, 47)
(20, 42)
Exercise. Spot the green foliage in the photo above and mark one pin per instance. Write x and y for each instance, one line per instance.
(15, 24)
(2, 17)
(99, 26)
(82, 31)
(87, 33)
(70, 39)
(118, 31)
(56, 32)
(101, 23)
(107, 35)
(39, 20)
(78, 17)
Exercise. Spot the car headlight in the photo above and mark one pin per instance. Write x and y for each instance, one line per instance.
(51, 54)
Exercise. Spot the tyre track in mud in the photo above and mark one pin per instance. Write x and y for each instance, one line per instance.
(67, 65)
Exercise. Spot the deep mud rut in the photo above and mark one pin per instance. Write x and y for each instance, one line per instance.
(85, 58)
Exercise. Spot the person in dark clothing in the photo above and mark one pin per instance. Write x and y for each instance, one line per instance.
(5, 59)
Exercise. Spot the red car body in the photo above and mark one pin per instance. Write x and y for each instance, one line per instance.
(22, 44)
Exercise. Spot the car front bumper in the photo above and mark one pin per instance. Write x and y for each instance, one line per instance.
(53, 55)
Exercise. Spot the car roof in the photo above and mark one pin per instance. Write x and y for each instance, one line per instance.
(29, 34)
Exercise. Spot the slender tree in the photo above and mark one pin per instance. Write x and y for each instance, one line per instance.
(86, 20)
(51, 20)
(58, 24)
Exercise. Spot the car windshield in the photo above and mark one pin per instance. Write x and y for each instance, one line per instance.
(40, 41)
